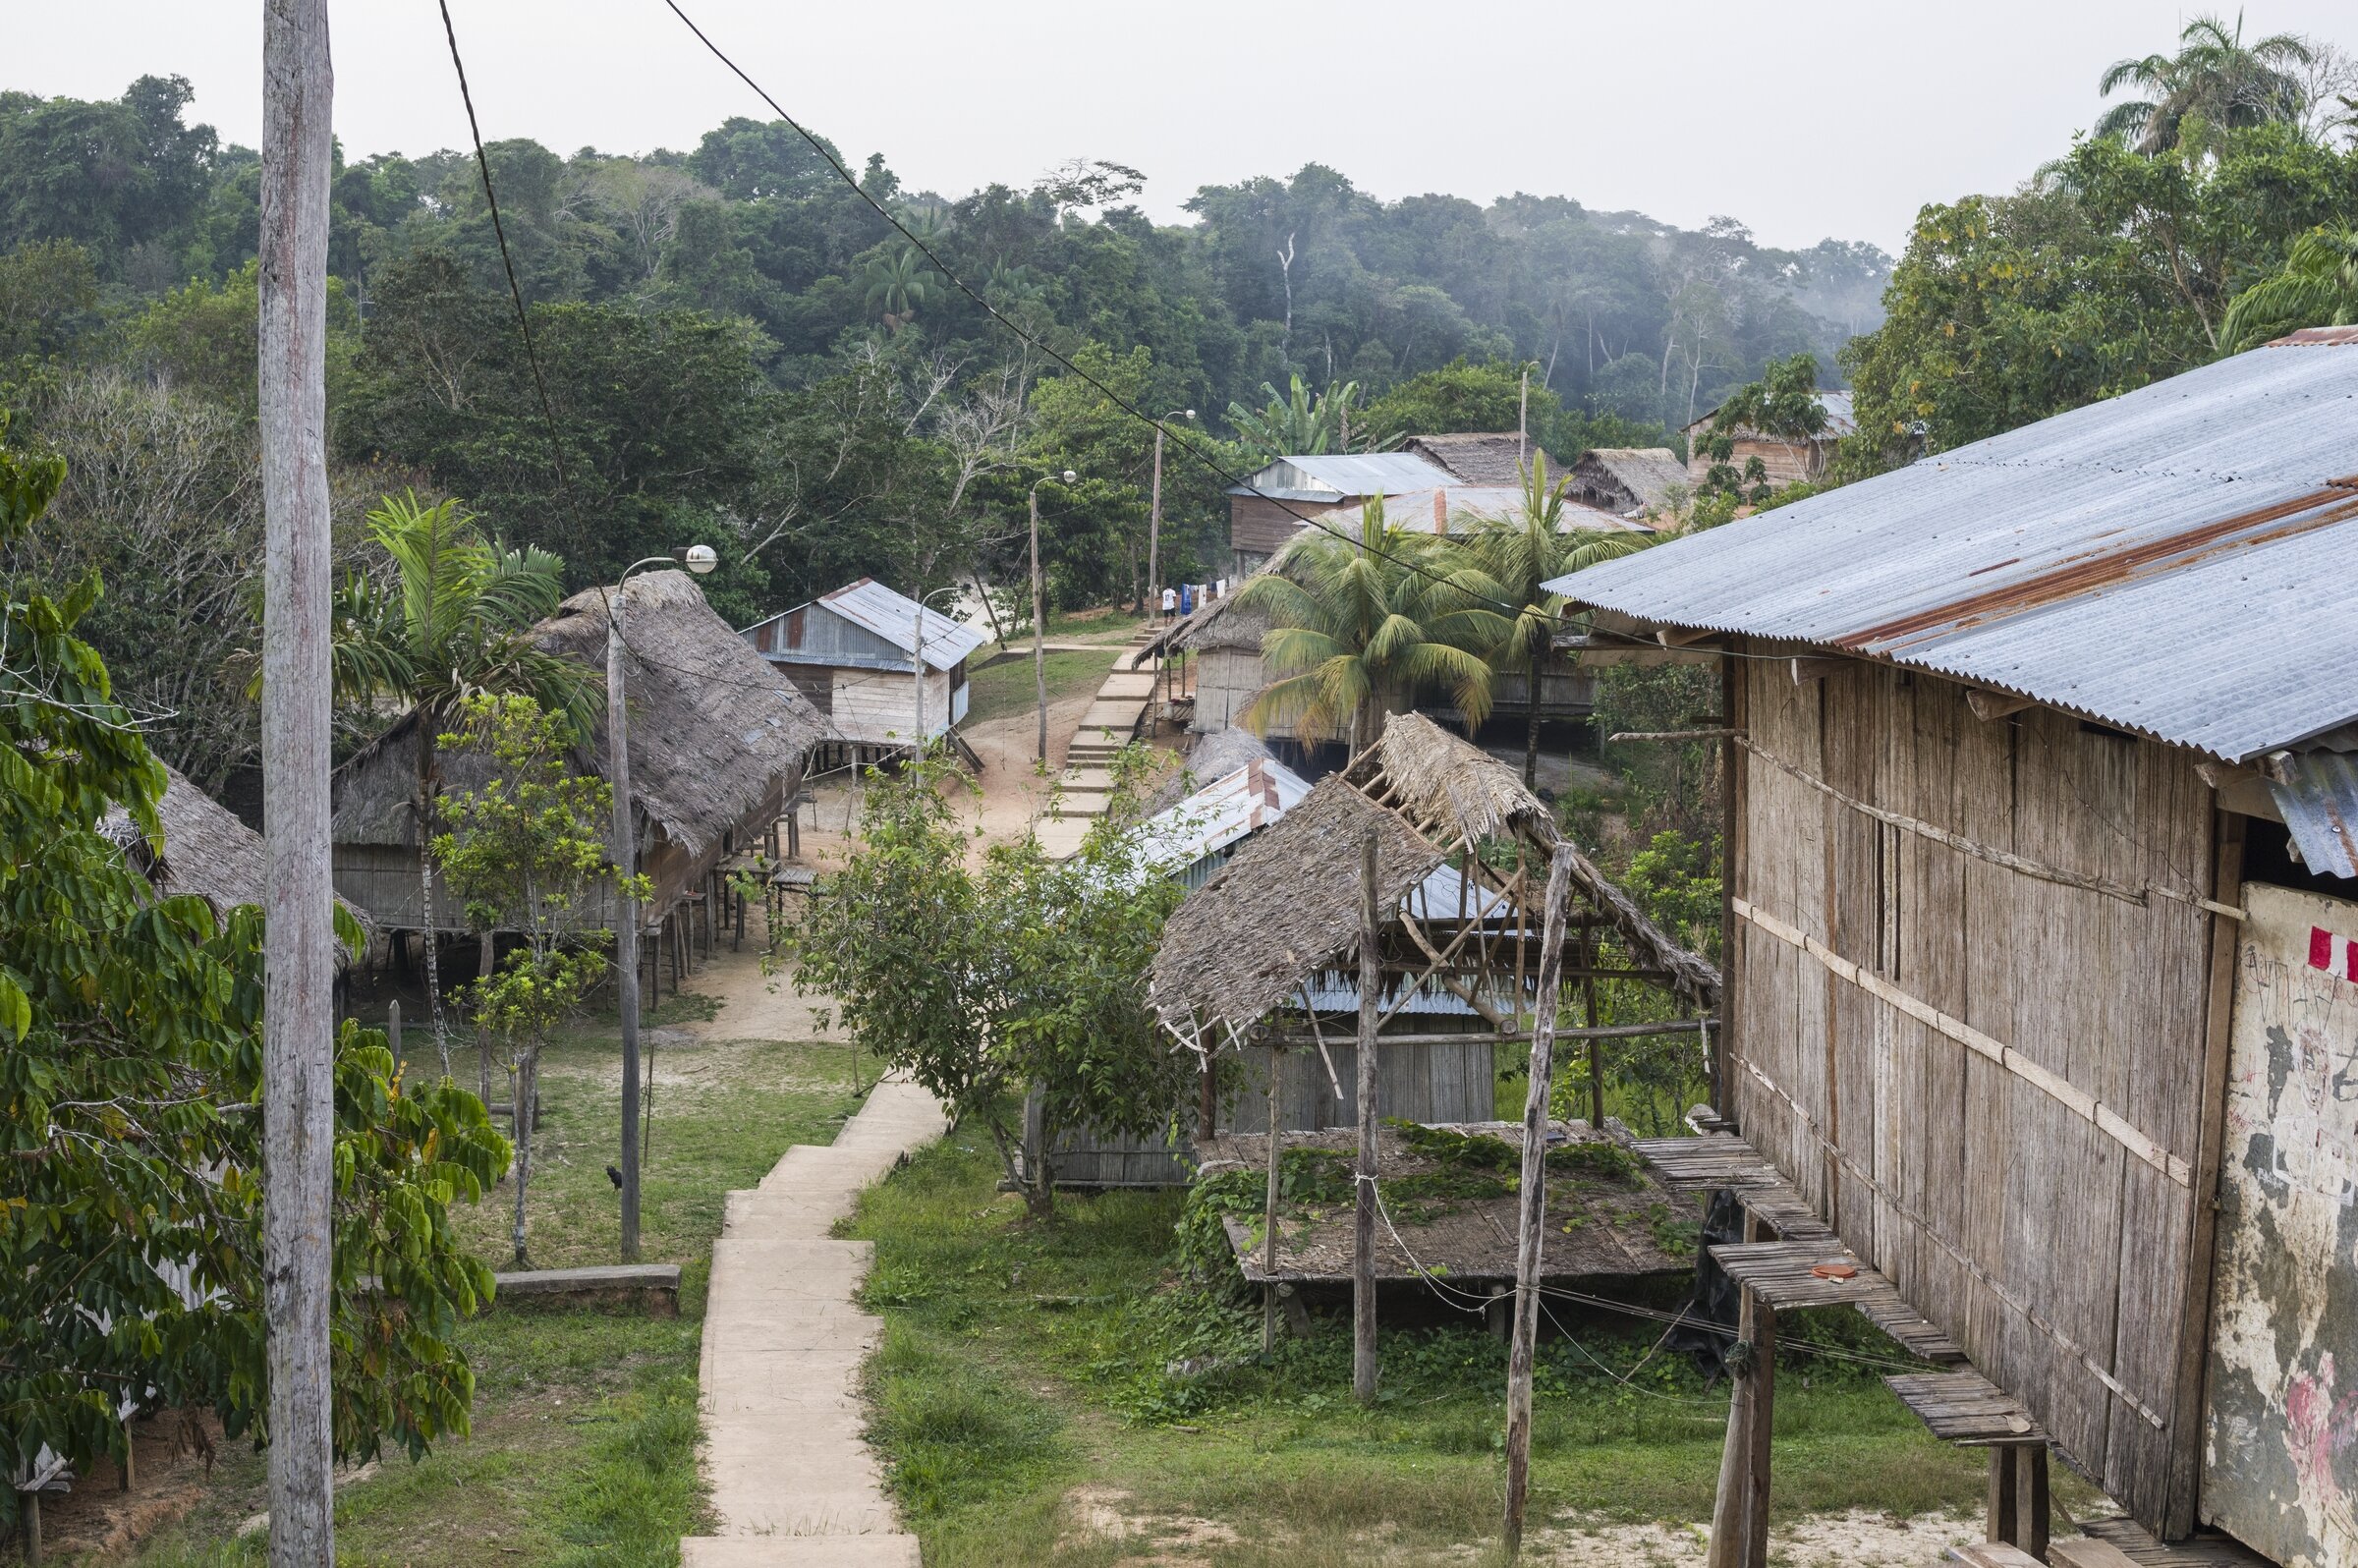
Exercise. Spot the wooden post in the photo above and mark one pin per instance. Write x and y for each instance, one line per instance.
(393, 1032)
(1747, 1415)
(29, 1504)
(1363, 1250)
(1208, 1099)
(1040, 665)
(297, 897)
(2030, 1498)
(1533, 1225)
(624, 853)
(1764, 1422)
(1999, 1525)
(1269, 1214)
(1587, 991)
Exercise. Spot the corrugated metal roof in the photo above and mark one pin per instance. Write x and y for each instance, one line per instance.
(2175, 560)
(1300, 478)
(1220, 813)
(1465, 506)
(2319, 801)
(871, 607)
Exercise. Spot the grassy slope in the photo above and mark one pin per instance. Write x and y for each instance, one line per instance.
(584, 1448)
(1008, 688)
(1022, 1362)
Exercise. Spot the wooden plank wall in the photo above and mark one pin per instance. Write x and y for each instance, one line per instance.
(880, 706)
(1422, 1082)
(1227, 680)
(2058, 1256)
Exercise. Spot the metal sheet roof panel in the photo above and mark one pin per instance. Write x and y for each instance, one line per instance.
(2319, 801)
(871, 607)
(1332, 476)
(2173, 560)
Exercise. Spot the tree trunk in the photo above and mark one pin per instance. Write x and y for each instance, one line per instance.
(527, 1111)
(1537, 666)
(482, 1035)
(1362, 1252)
(298, 896)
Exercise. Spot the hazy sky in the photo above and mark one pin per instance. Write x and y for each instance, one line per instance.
(1837, 118)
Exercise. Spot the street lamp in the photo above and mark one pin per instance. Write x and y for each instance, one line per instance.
(1039, 654)
(699, 559)
(1154, 518)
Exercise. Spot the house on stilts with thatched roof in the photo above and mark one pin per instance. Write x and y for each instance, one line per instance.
(1268, 974)
(719, 742)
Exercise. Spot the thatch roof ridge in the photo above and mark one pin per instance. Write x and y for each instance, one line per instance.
(713, 722)
(208, 850)
(1438, 777)
(1282, 909)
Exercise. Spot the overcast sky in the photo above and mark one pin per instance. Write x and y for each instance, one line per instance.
(1837, 119)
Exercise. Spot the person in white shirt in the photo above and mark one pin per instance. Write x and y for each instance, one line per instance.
(1170, 604)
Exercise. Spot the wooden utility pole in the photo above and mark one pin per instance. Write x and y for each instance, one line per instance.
(1523, 448)
(1534, 1224)
(916, 671)
(299, 958)
(1039, 655)
(626, 909)
(1362, 1252)
(1154, 600)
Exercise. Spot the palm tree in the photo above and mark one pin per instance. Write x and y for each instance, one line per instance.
(1360, 625)
(2215, 76)
(450, 625)
(897, 284)
(2318, 286)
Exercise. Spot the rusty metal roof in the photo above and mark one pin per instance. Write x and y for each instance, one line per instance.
(2318, 799)
(2175, 561)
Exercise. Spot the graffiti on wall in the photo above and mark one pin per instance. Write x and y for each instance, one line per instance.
(2281, 1462)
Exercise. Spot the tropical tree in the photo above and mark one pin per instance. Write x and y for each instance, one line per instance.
(2213, 77)
(524, 849)
(896, 285)
(2318, 286)
(450, 624)
(1361, 626)
(1297, 424)
(1783, 406)
(130, 1058)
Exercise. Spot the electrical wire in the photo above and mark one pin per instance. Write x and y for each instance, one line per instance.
(1178, 438)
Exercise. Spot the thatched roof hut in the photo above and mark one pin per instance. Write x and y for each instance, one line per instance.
(206, 850)
(1627, 479)
(718, 737)
(1287, 906)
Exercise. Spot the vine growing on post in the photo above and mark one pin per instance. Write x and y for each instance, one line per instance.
(524, 849)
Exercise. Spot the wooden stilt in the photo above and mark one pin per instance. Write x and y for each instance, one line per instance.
(29, 1511)
(1363, 1250)
(1208, 1099)
(1999, 1526)
(2031, 1499)
(1268, 1213)
(1532, 1227)
(1748, 1413)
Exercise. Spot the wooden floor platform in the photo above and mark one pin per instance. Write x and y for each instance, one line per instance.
(2109, 1542)
(1719, 1159)
(1967, 1409)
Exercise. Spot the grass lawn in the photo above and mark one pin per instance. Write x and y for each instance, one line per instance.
(1008, 688)
(584, 1447)
(1025, 1368)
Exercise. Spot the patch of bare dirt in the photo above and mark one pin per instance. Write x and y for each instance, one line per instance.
(1108, 1513)
(171, 1473)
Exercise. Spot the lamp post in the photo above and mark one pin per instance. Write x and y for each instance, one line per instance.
(1154, 519)
(1039, 654)
(699, 559)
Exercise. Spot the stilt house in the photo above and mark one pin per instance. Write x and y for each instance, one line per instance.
(718, 738)
(852, 654)
(2041, 1007)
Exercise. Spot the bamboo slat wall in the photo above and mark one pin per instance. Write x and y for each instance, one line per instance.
(1988, 1081)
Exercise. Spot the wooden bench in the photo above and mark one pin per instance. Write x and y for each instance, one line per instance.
(1967, 1409)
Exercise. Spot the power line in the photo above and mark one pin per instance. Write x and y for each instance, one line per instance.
(1178, 438)
(557, 450)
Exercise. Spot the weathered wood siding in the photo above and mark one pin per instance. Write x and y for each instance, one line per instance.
(1423, 1082)
(1258, 527)
(879, 708)
(1925, 1100)
(1227, 680)
(1784, 461)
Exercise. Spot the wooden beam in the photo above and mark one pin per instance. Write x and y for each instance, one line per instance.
(1990, 706)
(1645, 658)
(1685, 635)
(2194, 1328)
(1532, 1226)
(1719, 732)
(2242, 790)
(1362, 1250)
(1807, 669)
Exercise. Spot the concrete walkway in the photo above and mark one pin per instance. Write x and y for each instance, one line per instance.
(794, 1485)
